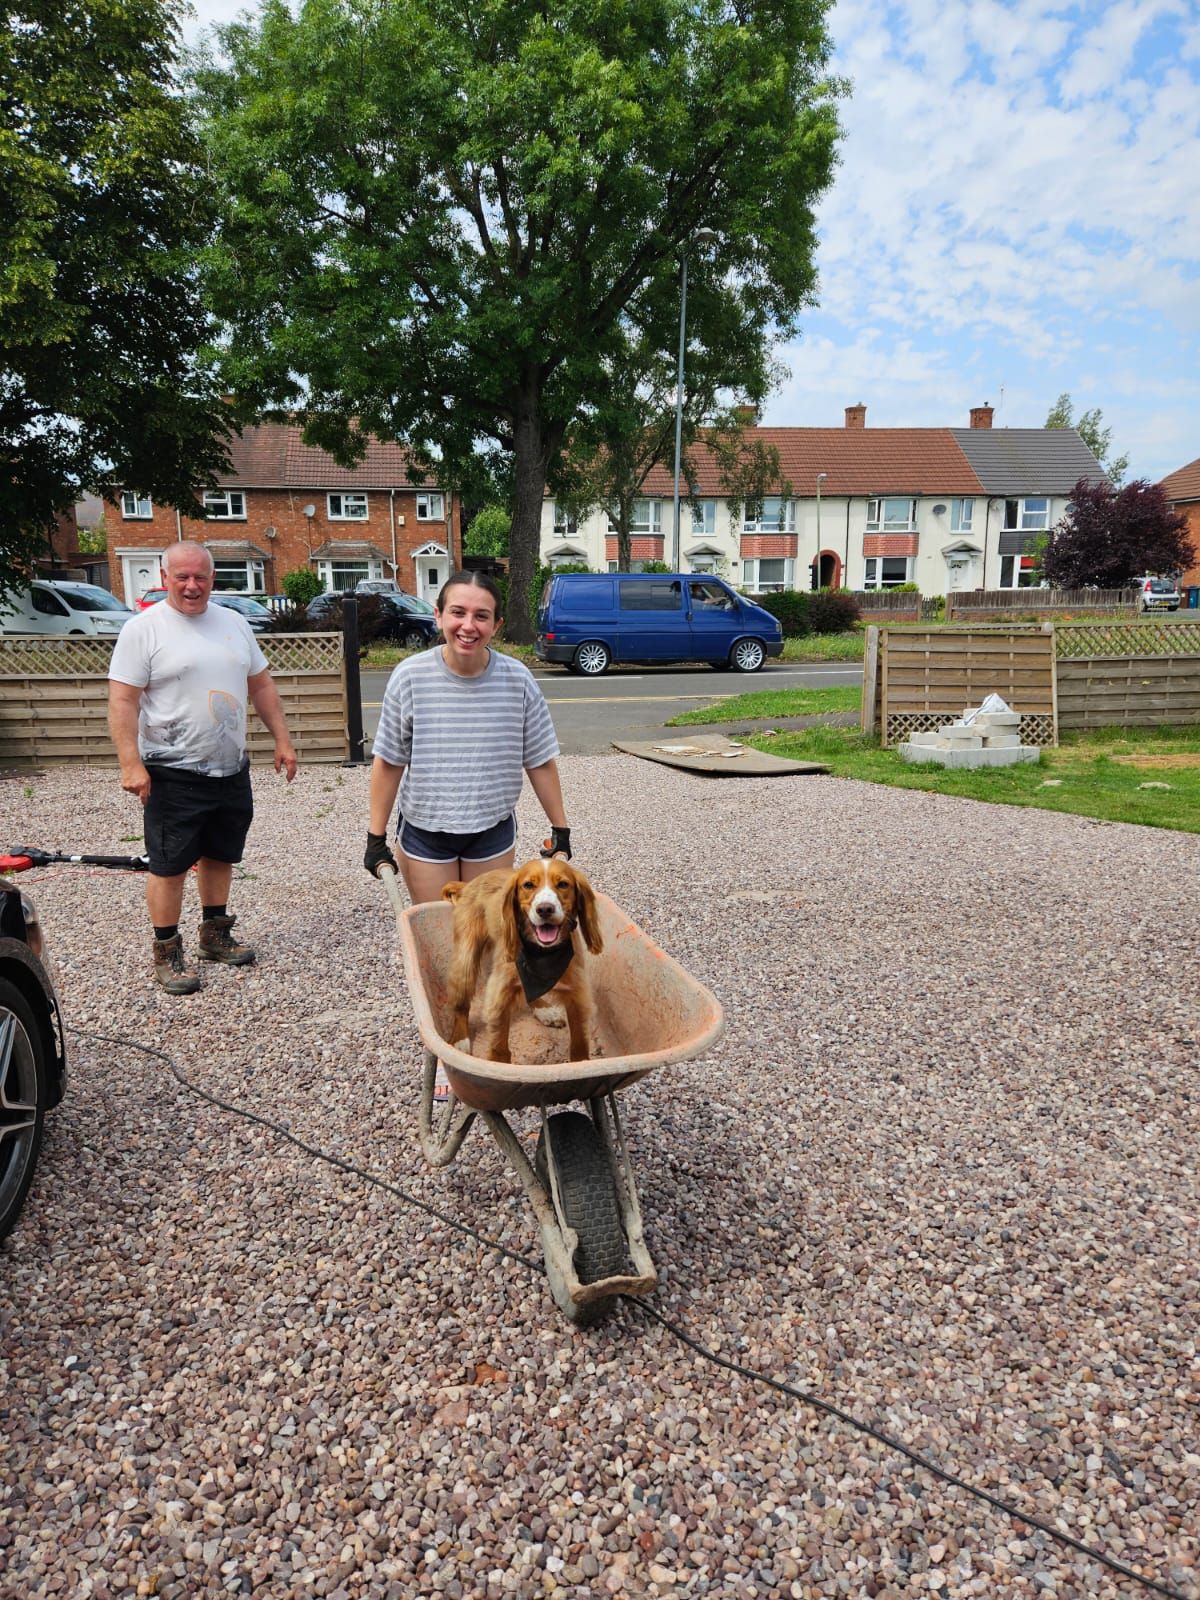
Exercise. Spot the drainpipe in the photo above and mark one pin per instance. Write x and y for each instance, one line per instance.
(392, 522)
(846, 567)
(987, 522)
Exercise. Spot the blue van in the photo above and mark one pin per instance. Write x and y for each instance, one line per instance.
(587, 620)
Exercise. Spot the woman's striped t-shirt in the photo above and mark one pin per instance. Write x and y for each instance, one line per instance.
(464, 742)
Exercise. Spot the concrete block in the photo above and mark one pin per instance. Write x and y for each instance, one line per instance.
(959, 757)
(998, 720)
(930, 740)
(1001, 741)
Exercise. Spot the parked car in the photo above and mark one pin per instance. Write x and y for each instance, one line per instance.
(255, 613)
(151, 598)
(403, 618)
(377, 586)
(56, 606)
(587, 620)
(1157, 594)
(33, 1062)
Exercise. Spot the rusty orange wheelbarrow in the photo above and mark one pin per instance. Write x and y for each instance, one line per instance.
(649, 1013)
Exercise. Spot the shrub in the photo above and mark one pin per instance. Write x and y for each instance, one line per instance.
(832, 611)
(656, 566)
(302, 585)
(488, 531)
(792, 607)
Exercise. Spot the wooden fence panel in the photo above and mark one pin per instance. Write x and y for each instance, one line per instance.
(1104, 692)
(974, 605)
(54, 700)
(927, 676)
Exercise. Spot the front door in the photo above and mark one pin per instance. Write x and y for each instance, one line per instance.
(432, 566)
(140, 572)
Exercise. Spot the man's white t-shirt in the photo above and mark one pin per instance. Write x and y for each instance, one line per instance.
(192, 672)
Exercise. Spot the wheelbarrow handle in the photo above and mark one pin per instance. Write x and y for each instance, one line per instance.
(388, 877)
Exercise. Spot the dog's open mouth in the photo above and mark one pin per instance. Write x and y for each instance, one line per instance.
(546, 933)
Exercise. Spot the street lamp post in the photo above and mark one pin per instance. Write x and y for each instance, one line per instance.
(703, 236)
(821, 477)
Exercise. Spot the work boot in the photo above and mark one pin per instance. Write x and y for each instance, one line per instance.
(218, 944)
(171, 970)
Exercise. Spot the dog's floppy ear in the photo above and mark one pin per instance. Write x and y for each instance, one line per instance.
(589, 922)
(512, 915)
(452, 891)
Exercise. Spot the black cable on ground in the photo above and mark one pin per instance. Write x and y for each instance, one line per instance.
(801, 1395)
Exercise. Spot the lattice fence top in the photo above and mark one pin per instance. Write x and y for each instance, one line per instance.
(24, 657)
(1154, 637)
(1036, 727)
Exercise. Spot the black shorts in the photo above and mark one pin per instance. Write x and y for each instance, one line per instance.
(189, 816)
(423, 844)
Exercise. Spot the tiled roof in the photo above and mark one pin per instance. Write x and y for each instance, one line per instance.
(856, 461)
(272, 455)
(1028, 460)
(1185, 483)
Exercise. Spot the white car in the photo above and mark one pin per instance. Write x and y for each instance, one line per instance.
(55, 606)
(1157, 594)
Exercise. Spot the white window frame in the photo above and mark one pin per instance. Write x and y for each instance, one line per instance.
(883, 518)
(751, 568)
(645, 519)
(564, 522)
(252, 580)
(1022, 516)
(756, 519)
(704, 517)
(962, 511)
(431, 507)
(873, 575)
(141, 504)
(352, 570)
(225, 505)
(1017, 578)
(341, 506)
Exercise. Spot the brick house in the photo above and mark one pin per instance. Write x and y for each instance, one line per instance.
(1183, 491)
(869, 508)
(286, 505)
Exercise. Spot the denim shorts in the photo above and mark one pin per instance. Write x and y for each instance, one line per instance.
(424, 844)
(189, 817)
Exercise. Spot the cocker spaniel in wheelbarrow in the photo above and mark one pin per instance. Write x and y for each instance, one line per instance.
(534, 925)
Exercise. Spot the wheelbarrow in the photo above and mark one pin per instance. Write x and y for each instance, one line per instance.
(649, 1013)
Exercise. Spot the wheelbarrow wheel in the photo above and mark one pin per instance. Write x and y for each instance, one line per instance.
(589, 1205)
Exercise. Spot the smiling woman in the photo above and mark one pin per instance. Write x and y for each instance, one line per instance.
(459, 726)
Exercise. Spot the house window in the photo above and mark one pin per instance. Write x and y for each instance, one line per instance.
(886, 572)
(704, 516)
(136, 507)
(767, 574)
(341, 576)
(1028, 515)
(645, 517)
(891, 514)
(770, 515)
(564, 522)
(239, 577)
(347, 507)
(431, 508)
(961, 512)
(1016, 572)
(225, 505)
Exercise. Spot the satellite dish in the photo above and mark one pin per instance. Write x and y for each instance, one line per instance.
(309, 511)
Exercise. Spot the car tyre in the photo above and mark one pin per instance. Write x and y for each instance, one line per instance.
(414, 639)
(24, 1095)
(589, 1203)
(592, 658)
(747, 655)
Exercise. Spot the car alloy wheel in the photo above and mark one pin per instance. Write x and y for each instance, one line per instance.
(593, 658)
(747, 656)
(24, 1077)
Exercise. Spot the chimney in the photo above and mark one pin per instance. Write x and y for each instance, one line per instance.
(747, 415)
(981, 416)
(856, 416)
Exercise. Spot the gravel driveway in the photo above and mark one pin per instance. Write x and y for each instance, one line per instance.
(941, 1172)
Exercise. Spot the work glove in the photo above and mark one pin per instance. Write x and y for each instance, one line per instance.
(378, 855)
(558, 844)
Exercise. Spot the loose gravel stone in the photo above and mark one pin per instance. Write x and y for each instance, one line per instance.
(940, 1172)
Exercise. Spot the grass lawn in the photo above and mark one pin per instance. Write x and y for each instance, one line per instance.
(775, 703)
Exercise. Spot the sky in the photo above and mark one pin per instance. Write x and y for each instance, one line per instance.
(1016, 213)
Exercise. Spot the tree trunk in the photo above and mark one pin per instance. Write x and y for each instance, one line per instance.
(533, 445)
(624, 537)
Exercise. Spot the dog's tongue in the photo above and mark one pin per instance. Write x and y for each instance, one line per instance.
(547, 933)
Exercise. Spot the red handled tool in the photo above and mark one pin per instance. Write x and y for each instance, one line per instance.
(23, 856)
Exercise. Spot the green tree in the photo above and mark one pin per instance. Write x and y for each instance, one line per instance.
(438, 217)
(101, 211)
(1089, 426)
(1110, 536)
(487, 532)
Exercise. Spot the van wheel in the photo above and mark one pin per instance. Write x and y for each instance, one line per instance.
(747, 655)
(592, 658)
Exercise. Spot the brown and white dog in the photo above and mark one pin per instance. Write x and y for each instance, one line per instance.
(533, 923)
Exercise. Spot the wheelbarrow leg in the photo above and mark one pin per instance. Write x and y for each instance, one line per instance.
(441, 1135)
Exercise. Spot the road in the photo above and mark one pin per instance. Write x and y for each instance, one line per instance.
(635, 702)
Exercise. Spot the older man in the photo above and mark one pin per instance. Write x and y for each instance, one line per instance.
(180, 676)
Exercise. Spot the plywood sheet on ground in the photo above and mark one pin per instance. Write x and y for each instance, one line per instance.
(716, 757)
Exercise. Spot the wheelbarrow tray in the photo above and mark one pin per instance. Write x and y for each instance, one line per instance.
(650, 1013)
